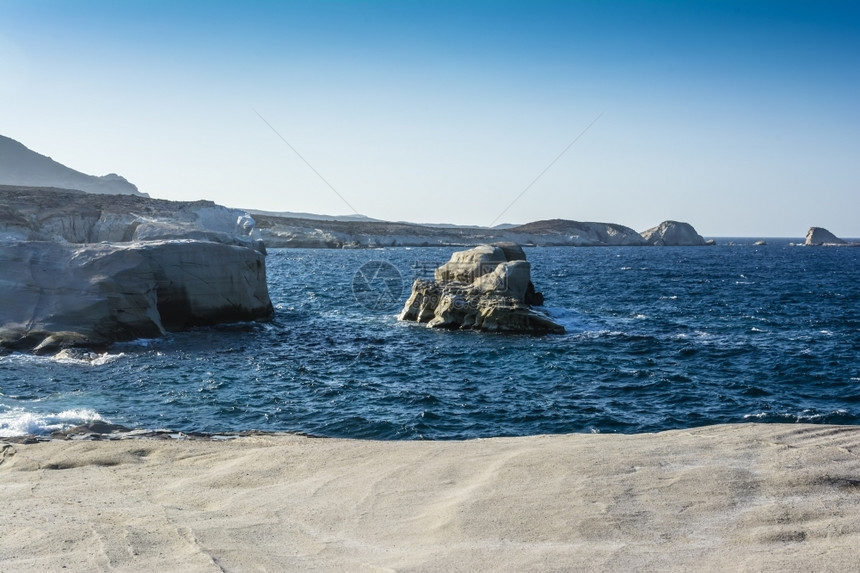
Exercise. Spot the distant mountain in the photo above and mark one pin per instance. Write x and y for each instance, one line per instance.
(24, 167)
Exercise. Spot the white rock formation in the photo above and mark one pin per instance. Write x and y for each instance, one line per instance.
(466, 266)
(486, 288)
(84, 270)
(818, 236)
(57, 295)
(673, 234)
(35, 214)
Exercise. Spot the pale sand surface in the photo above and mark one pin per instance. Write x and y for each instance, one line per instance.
(741, 497)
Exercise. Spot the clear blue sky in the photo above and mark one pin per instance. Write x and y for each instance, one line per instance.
(742, 118)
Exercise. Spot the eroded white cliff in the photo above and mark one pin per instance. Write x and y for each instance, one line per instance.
(86, 270)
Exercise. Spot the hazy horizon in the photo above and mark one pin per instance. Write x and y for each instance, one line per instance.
(739, 118)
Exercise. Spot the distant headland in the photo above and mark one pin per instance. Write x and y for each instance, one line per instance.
(22, 166)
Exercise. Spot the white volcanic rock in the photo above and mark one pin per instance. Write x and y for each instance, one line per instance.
(818, 236)
(466, 266)
(481, 289)
(57, 295)
(673, 234)
(89, 270)
(509, 279)
(35, 214)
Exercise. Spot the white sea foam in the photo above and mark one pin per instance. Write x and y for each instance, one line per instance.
(17, 422)
(85, 357)
(144, 342)
(804, 416)
(571, 321)
(67, 356)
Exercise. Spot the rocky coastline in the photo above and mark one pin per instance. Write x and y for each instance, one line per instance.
(85, 270)
(297, 232)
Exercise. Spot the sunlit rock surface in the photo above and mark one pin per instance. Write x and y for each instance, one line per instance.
(90, 270)
(673, 234)
(818, 236)
(487, 288)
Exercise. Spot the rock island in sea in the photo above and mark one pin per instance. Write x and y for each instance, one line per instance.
(821, 237)
(486, 288)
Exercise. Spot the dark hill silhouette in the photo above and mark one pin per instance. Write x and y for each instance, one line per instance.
(22, 166)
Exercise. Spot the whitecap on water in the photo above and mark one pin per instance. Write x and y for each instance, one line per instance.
(18, 422)
(66, 356)
(804, 416)
(86, 357)
(573, 322)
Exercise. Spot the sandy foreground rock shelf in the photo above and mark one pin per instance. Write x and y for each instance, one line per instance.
(737, 497)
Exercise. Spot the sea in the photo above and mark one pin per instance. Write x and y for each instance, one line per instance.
(657, 338)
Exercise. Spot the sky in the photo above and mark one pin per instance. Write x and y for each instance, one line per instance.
(741, 118)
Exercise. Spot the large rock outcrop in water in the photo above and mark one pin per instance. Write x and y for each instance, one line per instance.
(487, 288)
(818, 236)
(673, 234)
(90, 270)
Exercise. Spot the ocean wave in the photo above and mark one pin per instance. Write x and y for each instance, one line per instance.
(572, 321)
(80, 356)
(85, 357)
(804, 416)
(17, 422)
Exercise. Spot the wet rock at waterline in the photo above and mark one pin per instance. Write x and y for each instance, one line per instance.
(487, 288)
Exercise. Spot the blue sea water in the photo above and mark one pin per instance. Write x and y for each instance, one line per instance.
(657, 338)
